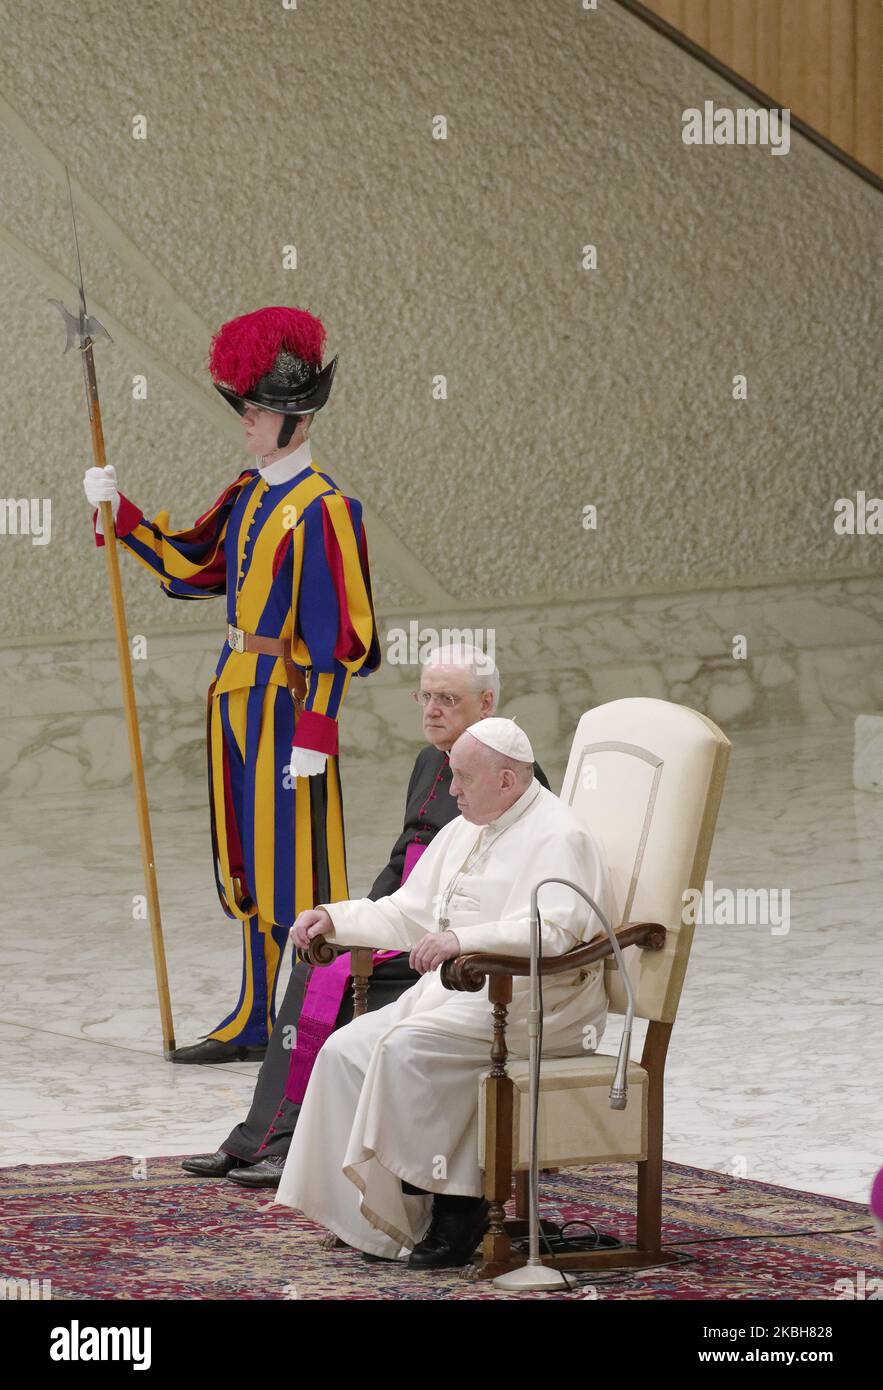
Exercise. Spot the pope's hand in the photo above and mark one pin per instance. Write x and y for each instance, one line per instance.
(307, 925)
(306, 763)
(433, 949)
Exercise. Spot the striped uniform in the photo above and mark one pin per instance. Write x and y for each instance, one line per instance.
(292, 559)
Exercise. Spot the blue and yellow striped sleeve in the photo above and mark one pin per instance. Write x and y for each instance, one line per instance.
(335, 629)
(188, 564)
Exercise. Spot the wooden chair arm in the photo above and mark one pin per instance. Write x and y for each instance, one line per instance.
(469, 972)
(323, 952)
(319, 952)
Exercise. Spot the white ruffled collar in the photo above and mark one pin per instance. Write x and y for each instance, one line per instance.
(284, 469)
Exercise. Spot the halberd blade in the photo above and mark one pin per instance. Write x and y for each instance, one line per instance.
(96, 329)
(82, 329)
(71, 325)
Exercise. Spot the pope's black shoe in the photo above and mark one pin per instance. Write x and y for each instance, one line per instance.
(216, 1165)
(213, 1050)
(267, 1173)
(451, 1239)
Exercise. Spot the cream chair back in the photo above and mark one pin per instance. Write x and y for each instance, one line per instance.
(646, 776)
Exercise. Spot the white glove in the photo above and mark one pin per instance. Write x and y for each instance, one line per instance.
(100, 485)
(306, 763)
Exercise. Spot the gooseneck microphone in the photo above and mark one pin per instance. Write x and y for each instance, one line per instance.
(536, 1275)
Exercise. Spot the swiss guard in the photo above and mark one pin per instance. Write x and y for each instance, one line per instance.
(289, 552)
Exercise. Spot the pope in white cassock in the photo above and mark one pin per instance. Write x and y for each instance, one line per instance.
(385, 1153)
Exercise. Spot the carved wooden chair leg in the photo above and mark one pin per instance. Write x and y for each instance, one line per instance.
(649, 1214)
(362, 967)
(522, 1195)
(496, 1247)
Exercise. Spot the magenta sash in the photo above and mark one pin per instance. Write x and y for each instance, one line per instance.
(322, 1000)
(412, 854)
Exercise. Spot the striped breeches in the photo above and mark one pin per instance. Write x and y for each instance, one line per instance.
(278, 845)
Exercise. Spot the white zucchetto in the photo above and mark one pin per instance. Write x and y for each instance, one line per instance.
(504, 736)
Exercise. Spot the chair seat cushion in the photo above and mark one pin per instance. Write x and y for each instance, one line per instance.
(576, 1124)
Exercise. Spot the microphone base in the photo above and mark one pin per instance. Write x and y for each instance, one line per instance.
(530, 1278)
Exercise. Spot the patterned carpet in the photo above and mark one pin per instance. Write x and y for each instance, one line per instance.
(114, 1230)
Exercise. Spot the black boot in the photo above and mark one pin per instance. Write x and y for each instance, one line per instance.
(216, 1165)
(458, 1224)
(267, 1173)
(213, 1050)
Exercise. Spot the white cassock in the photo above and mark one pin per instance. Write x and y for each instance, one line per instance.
(394, 1095)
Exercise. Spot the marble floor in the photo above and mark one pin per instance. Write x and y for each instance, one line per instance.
(776, 1061)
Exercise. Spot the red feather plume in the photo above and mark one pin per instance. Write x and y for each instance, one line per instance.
(244, 350)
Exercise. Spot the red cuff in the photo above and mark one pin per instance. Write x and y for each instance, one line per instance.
(127, 518)
(316, 731)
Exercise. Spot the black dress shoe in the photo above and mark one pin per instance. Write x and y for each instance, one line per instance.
(267, 1173)
(213, 1050)
(216, 1165)
(451, 1239)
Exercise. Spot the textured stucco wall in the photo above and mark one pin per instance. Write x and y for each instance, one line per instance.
(461, 257)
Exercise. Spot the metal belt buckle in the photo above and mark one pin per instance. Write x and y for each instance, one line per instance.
(235, 638)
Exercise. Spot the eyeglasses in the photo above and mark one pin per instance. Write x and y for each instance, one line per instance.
(424, 697)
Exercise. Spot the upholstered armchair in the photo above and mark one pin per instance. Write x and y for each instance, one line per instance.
(647, 777)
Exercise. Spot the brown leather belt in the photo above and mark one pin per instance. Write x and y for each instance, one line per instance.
(240, 641)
